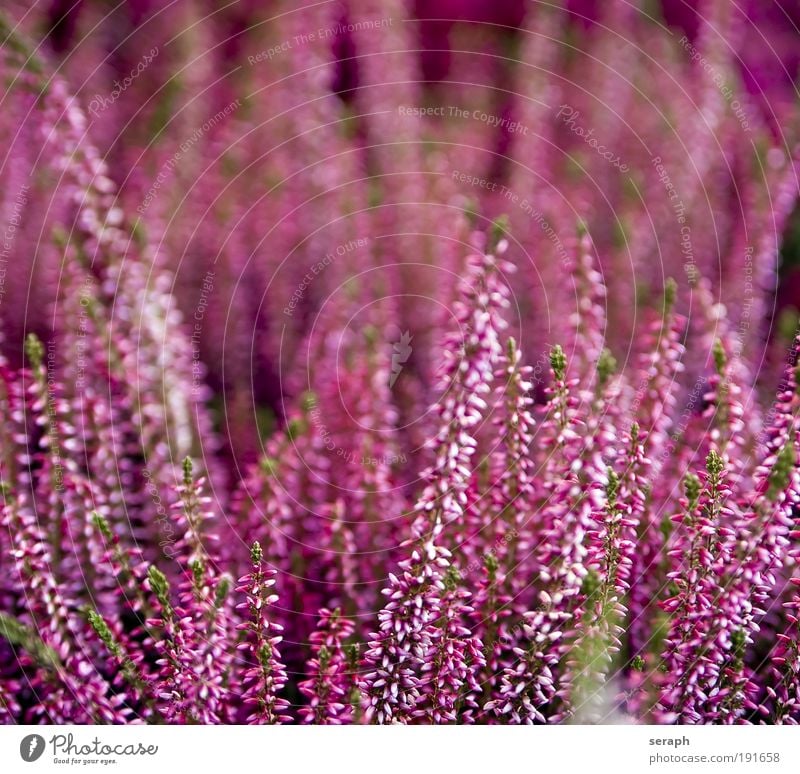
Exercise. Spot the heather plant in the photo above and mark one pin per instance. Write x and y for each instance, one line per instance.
(335, 389)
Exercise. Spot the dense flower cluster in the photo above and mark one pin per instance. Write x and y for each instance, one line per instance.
(361, 414)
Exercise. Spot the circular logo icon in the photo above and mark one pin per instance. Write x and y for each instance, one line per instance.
(31, 748)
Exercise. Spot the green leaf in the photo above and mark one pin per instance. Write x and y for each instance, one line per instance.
(22, 636)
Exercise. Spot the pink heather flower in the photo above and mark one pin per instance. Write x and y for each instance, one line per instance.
(589, 320)
(495, 519)
(281, 501)
(658, 374)
(654, 404)
(513, 467)
(339, 557)
(761, 548)
(71, 690)
(724, 410)
(401, 651)
(633, 485)
(610, 558)
(261, 675)
(201, 626)
(785, 662)
(492, 609)
(131, 649)
(74, 692)
(767, 542)
(530, 685)
(693, 655)
(762, 527)
(411, 620)
(190, 514)
(9, 707)
(450, 685)
(173, 639)
(470, 360)
(266, 497)
(357, 416)
(329, 684)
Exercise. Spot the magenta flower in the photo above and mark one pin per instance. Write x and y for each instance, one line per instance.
(261, 676)
(329, 685)
(402, 649)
